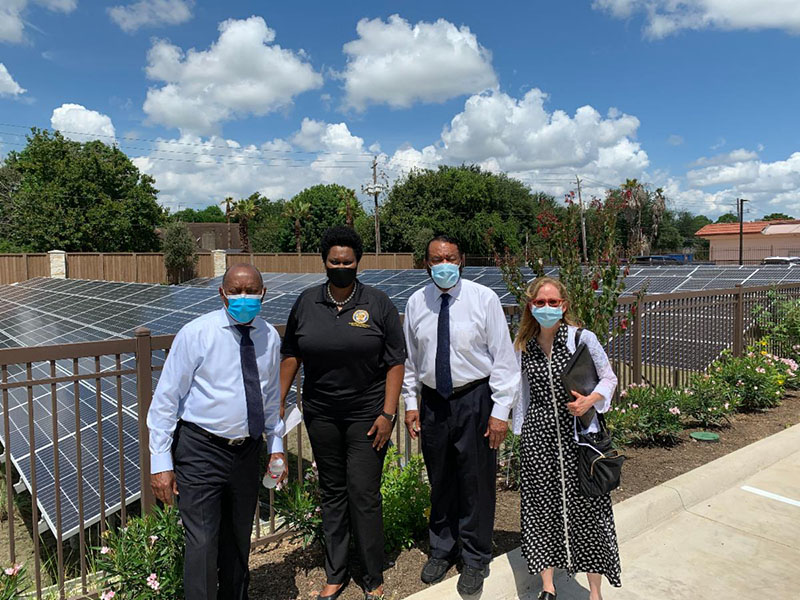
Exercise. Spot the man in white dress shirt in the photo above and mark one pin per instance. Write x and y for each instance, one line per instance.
(217, 398)
(461, 363)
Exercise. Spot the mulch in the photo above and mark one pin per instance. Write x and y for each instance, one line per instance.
(287, 571)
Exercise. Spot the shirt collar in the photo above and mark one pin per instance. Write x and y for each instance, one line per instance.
(455, 291)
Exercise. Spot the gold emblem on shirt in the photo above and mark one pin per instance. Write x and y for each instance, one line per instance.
(360, 318)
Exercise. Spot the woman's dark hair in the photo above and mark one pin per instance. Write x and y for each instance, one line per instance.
(442, 237)
(341, 236)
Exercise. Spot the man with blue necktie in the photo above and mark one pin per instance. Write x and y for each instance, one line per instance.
(461, 363)
(218, 397)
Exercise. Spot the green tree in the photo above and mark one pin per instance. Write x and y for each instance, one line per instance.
(728, 218)
(268, 227)
(245, 210)
(324, 204)
(179, 252)
(297, 210)
(79, 197)
(777, 217)
(485, 211)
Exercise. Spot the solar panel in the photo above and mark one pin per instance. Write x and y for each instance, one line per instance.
(56, 311)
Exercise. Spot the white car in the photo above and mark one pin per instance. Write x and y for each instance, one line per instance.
(782, 260)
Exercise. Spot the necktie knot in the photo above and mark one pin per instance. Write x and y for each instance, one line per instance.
(244, 330)
(445, 300)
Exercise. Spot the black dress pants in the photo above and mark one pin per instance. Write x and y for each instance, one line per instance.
(461, 469)
(217, 496)
(350, 484)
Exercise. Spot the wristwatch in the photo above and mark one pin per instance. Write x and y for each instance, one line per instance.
(390, 418)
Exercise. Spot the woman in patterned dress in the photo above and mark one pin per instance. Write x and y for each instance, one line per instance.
(560, 527)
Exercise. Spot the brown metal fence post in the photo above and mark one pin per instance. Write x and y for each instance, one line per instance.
(738, 321)
(144, 393)
(636, 343)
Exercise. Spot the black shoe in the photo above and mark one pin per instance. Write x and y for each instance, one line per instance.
(546, 596)
(335, 594)
(471, 580)
(435, 570)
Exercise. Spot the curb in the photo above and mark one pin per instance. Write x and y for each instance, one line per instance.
(509, 577)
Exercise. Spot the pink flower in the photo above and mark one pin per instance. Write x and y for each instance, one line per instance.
(153, 539)
(727, 405)
(107, 595)
(675, 410)
(622, 411)
(105, 550)
(761, 370)
(152, 582)
(634, 406)
(11, 571)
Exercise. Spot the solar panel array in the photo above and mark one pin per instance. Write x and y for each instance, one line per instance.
(57, 311)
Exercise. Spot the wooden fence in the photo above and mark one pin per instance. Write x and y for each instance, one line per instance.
(19, 267)
(148, 267)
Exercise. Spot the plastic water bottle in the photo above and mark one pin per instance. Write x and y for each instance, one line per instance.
(276, 469)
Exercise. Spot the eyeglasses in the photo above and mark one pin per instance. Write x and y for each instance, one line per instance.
(551, 302)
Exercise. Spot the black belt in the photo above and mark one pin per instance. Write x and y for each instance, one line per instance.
(217, 439)
(463, 389)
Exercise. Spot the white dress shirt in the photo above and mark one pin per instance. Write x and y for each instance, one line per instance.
(605, 387)
(480, 343)
(202, 383)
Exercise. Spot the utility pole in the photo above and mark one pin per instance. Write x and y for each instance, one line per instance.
(583, 220)
(374, 189)
(740, 206)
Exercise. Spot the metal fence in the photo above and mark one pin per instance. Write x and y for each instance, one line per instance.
(79, 397)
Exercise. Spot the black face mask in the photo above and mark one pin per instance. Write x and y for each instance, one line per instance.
(342, 277)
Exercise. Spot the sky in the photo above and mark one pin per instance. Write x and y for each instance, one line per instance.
(218, 99)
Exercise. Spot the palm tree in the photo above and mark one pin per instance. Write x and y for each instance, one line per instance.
(298, 210)
(348, 198)
(229, 204)
(245, 210)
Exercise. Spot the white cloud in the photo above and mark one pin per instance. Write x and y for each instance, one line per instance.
(675, 140)
(81, 124)
(9, 87)
(542, 148)
(242, 73)
(394, 63)
(666, 17)
(151, 13)
(13, 16)
(739, 155)
(194, 171)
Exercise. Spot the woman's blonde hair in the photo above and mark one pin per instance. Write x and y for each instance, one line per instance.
(529, 327)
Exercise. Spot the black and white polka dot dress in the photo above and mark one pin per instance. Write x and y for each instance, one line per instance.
(560, 527)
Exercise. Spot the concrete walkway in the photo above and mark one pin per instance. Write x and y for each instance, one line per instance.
(729, 529)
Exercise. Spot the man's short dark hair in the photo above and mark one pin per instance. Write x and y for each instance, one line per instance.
(341, 236)
(442, 237)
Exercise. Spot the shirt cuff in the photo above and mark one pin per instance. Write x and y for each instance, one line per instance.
(500, 412)
(274, 444)
(411, 403)
(160, 462)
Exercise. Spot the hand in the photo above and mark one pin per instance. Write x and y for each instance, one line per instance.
(282, 456)
(580, 405)
(382, 430)
(496, 432)
(164, 486)
(412, 423)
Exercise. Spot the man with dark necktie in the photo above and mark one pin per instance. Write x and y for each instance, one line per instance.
(218, 397)
(461, 363)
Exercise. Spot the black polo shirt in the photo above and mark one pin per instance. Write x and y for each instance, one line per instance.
(345, 353)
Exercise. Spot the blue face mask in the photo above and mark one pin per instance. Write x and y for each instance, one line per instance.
(445, 275)
(547, 315)
(244, 307)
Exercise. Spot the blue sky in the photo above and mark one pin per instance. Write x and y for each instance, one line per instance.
(217, 99)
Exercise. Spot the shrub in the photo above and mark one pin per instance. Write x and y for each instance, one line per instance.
(755, 378)
(297, 504)
(646, 415)
(509, 461)
(143, 560)
(709, 400)
(179, 252)
(11, 582)
(406, 501)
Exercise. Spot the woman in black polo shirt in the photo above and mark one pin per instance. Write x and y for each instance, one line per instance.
(350, 341)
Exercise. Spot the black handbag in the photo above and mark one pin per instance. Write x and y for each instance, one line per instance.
(599, 463)
(580, 374)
